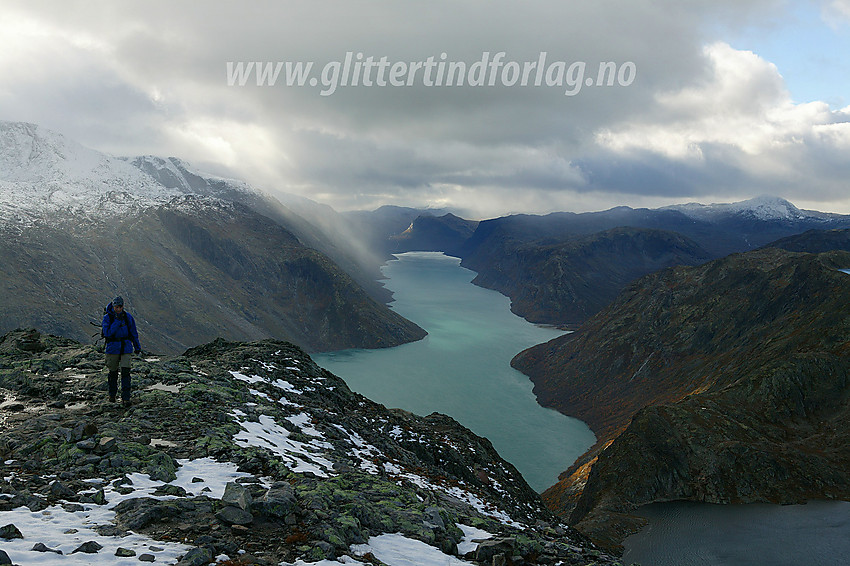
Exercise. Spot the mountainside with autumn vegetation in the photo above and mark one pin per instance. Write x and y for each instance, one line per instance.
(727, 383)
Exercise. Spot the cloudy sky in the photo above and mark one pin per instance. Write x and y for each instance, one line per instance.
(712, 101)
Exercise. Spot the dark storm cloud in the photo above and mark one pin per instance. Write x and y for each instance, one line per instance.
(151, 78)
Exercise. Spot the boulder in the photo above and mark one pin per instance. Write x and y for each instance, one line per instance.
(106, 444)
(196, 557)
(41, 547)
(10, 532)
(433, 520)
(279, 501)
(88, 444)
(83, 430)
(90, 547)
(58, 490)
(234, 516)
(488, 549)
(162, 467)
(237, 495)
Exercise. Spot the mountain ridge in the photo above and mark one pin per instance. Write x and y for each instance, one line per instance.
(704, 383)
(494, 249)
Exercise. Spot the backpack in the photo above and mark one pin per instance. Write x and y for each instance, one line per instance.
(99, 335)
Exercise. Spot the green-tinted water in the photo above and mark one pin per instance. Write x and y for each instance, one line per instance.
(462, 368)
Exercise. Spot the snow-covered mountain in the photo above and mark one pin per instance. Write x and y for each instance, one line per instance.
(43, 172)
(764, 208)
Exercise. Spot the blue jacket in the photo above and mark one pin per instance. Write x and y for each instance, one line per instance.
(120, 333)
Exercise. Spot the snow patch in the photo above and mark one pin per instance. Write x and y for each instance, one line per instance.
(59, 529)
(297, 456)
(398, 550)
(246, 379)
(471, 534)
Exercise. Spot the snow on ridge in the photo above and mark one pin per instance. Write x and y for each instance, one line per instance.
(298, 456)
(763, 207)
(43, 173)
(174, 173)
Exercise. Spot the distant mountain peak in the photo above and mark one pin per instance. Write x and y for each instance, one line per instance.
(764, 207)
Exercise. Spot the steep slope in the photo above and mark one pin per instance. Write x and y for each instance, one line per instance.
(565, 283)
(315, 225)
(726, 382)
(196, 256)
(192, 270)
(445, 233)
(247, 453)
(815, 241)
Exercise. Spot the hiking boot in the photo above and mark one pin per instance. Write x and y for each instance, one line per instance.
(112, 398)
(127, 403)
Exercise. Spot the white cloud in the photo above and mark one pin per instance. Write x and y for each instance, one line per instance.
(740, 117)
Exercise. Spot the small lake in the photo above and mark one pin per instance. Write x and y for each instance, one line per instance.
(699, 534)
(462, 368)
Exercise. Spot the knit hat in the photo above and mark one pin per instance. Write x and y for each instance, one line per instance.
(118, 301)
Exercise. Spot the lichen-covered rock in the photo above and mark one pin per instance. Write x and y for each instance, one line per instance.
(278, 502)
(196, 557)
(162, 467)
(237, 495)
(341, 468)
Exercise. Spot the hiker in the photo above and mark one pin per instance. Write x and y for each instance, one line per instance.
(122, 340)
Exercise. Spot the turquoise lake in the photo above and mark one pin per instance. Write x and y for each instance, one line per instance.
(462, 368)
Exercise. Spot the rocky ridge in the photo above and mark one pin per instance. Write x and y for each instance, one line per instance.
(815, 241)
(246, 453)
